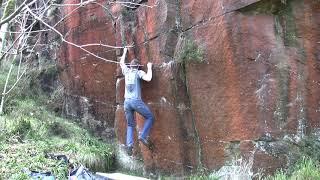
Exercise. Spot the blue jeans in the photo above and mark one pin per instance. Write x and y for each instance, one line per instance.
(137, 105)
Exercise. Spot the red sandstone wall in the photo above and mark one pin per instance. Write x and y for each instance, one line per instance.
(246, 96)
(259, 82)
(89, 81)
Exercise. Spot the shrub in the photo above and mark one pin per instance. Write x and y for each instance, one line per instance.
(22, 128)
(191, 53)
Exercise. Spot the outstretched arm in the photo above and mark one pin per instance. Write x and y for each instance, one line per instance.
(148, 75)
(123, 57)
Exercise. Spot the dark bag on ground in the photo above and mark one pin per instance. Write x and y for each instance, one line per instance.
(82, 173)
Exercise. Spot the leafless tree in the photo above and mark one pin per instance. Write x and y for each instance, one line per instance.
(24, 16)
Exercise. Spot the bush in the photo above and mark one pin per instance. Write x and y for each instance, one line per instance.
(21, 128)
(191, 53)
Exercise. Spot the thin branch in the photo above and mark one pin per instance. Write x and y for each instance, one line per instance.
(136, 4)
(104, 45)
(16, 12)
(75, 9)
(116, 2)
(18, 38)
(5, 88)
(7, 52)
(66, 16)
(19, 66)
(71, 43)
(5, 93)
(106, 9)
(78, 4)
(12, 45)
(19, 32)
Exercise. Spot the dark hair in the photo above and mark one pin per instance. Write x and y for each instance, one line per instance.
(134, 63)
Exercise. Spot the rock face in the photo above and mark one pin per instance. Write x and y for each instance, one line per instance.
(89, 82)
(231, 78)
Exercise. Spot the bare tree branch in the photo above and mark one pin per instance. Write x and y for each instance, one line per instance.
(135, 4)
(66, 16)
(15, 41)
(15, 13)
(19, 32)
(71, 43)
(12, 45)
(78, 4)
(14, 85)
(21, 18)
(109, 2)
(4, 89)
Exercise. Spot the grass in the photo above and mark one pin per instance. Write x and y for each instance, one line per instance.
(29, 132)
(279, 175)
(305, 169)
(237, 169)
(203, 177)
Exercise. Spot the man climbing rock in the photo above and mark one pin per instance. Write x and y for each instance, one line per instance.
(133, 102)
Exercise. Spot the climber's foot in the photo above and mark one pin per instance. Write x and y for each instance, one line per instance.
(147, 143)
(129, 150)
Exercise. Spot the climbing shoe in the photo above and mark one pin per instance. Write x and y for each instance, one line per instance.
(129, 150)
(147, 143)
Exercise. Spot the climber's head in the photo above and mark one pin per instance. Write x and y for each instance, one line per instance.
(134, 63)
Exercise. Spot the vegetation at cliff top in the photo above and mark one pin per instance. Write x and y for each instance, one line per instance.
(29, 133)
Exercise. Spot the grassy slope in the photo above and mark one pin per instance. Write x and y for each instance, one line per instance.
(28, 131)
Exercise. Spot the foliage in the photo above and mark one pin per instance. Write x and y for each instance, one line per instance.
(305, 169)
(36, 84)
(203, 177)
(128, 14)
(279, 175)
(29, 132)
(191, 52)
(238, 168)
(9, 8)
(309, 147)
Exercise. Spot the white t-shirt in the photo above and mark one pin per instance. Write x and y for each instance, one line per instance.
(132, 82)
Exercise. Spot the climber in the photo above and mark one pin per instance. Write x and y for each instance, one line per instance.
(133, 102)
